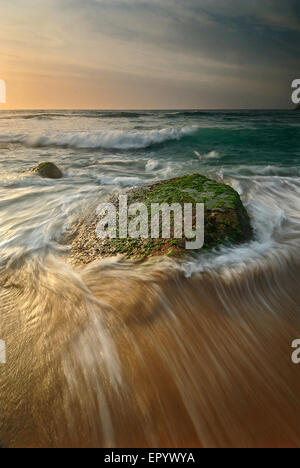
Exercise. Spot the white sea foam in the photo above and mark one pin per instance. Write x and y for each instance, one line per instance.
(151, 165)
(211, 155)
(262, 171)
(110, 139)
(120, 181)
(274, 206)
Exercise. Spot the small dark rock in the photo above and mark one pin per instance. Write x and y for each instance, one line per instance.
(48, 170)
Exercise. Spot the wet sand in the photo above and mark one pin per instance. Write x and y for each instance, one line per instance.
(116, 355)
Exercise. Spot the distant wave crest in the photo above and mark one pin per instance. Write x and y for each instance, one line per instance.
(112, 139)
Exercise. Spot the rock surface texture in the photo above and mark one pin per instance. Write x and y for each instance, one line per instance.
(226, 221)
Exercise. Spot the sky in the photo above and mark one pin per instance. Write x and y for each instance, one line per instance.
(148, 54)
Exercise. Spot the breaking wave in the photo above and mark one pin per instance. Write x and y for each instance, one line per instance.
(109, 139)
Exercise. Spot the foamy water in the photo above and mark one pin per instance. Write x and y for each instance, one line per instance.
(192, 353)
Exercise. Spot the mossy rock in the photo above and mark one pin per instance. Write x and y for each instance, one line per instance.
(226, 221)
(48, 170)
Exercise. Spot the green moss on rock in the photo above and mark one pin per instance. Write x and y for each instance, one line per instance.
(226, 221)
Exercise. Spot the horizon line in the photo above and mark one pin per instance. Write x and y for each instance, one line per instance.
(144, 109)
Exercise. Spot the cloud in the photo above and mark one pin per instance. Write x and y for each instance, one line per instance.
(195, 45)
(236, 32)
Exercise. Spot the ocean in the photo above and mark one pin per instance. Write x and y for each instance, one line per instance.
(165, 353)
